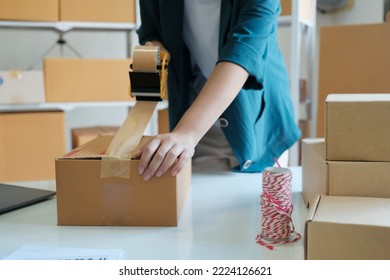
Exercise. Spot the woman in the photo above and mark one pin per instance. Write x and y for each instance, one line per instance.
(227, 85)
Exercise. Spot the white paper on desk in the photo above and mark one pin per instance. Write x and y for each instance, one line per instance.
(31, 252)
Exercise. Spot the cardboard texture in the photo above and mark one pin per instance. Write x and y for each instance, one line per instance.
(352, 59)
(340, 178)
(348, 228)
(98, 10)
(29, 143)
(86, 80)
(163, 121)
(286, 7)
(84, 198)
(82, 135)
(29, 10)
(21, 87)
(358, 127)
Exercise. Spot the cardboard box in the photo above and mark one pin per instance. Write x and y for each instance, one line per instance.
(286, 7)
(86, 80)
(29, 143)
(340, 178)
(84, 198)
(82, 135)
(21, 87)
(29, 10)
(358, 127)
(351, 63)
(98, 10)
(163, 121)
(348, 228)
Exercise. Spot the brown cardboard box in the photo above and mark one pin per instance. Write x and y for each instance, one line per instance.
(29, 143)
(314, 169)
(340, 178)
(286, 7)
(29, 10)
(21, 87)
(98, 10)
(163, 121)
(82, 135)
(348, 228)
(84, 198)
(358, 127)
(349, 62)
(86, 80)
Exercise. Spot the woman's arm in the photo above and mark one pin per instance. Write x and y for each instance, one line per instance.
(176, 148)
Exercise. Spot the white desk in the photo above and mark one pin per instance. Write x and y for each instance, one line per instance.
(220, 220)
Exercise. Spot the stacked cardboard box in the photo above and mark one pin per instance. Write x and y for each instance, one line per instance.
(350, 63)
(350, 171)
(120, 11)
(29, 143)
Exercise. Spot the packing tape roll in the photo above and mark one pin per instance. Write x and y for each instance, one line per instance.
(146, 58)
(116, 162)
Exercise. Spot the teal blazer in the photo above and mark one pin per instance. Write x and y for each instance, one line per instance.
(260, 121)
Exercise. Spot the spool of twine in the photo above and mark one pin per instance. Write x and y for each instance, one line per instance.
(276, 207)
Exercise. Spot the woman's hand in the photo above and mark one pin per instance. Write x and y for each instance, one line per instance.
(159, 44)
(164, 151)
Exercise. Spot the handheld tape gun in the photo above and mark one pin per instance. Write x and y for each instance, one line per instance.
(148, 84)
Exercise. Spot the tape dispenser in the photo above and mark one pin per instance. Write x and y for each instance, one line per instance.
(148, 74)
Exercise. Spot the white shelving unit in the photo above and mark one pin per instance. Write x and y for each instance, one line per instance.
(302, 58)
(61, 28)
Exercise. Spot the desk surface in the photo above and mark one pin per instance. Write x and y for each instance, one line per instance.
(220, 221)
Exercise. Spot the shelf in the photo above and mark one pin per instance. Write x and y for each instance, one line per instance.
(70, 106)
(284, 21)
(65, 26)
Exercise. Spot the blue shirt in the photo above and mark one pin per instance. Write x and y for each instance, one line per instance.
(261, 123)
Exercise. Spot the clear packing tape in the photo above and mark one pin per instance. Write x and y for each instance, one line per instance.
(149, 64)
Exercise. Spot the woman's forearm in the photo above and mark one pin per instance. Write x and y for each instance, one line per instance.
(221, 88)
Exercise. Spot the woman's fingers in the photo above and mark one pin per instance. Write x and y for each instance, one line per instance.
(162, 152)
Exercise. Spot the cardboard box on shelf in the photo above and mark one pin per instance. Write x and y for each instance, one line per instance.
(348, 228)
(286, 7)
(98, 10)
(85, 198)
(29, 10)
(82, 135)
(29, 143)
(21, 87)
(340, 178)
(358, 127)
(87, 80)
(349, 63)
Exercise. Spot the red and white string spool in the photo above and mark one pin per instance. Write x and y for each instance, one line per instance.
(276, 207)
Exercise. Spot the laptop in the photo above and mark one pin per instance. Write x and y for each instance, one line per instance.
(15, 197)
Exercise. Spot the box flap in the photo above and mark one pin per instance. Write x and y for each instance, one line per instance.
(312, 210)
(96, 148)
(353, 210)
(317, 144)
(93, 149)
(358, 97)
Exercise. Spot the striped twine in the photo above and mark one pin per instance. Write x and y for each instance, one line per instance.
(276, 207)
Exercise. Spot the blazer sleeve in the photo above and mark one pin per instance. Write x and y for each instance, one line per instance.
(247, 41)
(150, 28)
